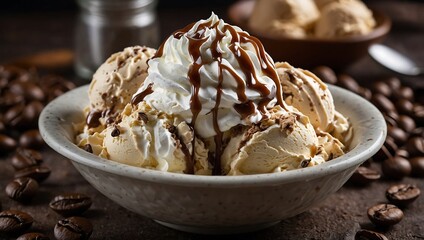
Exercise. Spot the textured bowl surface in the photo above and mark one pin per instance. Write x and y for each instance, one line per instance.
(312, 51)
(214, 204)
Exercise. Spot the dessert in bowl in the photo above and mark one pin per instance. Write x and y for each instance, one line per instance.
(207, 143)
(327, 43)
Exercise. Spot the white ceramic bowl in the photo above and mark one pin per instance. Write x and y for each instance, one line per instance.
(214, 204)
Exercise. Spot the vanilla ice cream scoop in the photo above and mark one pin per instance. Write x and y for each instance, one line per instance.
(285, 141)
(306, 92)
(116, 80)
(344, 18)
(283, 17)
(152, 139)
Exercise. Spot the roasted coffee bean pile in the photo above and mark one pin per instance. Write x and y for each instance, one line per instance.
(402, 153)
(23, 94)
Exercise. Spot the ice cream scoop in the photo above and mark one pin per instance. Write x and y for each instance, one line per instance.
(145, 137)
(116, 80)
(279, 17)
(344, 18)
(306, 92)
(285, 141)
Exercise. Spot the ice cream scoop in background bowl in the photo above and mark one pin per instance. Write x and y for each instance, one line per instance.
(214, 204)
(312, 51)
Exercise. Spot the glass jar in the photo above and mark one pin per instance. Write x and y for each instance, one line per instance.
(108, 26)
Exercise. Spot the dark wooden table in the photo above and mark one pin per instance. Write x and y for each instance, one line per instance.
(338, 217)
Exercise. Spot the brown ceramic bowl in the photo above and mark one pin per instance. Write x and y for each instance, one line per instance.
(312, 51)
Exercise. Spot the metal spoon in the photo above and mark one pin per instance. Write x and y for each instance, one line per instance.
(394, 60)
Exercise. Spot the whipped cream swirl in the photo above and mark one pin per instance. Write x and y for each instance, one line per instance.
(212, 74)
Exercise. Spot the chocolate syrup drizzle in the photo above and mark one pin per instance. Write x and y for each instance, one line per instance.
(246, 107)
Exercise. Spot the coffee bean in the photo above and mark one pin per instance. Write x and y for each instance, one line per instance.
(33, 236)
(29, 89)
(367, 163)
(417, 164)
(385, 215)
(391, 118)
(365, 93)
(396, 168)
(418, 132)
(31, 139)
(13, 116)
(30, 114)
(402, 153)
(393, 82)
(382, 88)
(404, 92)
(402, 194)
(398, 135)
(415, 146)
(39, 173)
(404, 106)
(22, 189)
(348, 82)
(363, 176)
(383, 103)
(406, 123)
(14, 221)
(387, 151)
(9, 99)
(418, 114)
(369, 235)
(326, 74)
(24, 158)
(2, 126)
(7, 144)
(77, 228)
(70, 204)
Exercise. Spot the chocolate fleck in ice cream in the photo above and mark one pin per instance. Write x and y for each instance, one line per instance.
(212, 104)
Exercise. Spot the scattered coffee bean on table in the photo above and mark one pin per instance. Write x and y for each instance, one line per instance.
(31, 139)
(70, 204)
(364, 176)
(396, 168)
(14, 221)
(417, 164)
(77, 228)
(7, 144)
(326, 74)
(39, 173)
(385, 215)
(402, 194)
(22, 189)
(415, 146)
(369, 235)
(24, 158)
(33, 236)
(348, 82)
(387, 151)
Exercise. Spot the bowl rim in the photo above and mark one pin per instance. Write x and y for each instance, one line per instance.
(50, 122)
(383, 26)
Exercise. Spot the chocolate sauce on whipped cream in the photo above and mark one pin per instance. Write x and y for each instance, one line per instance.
(246, 107)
